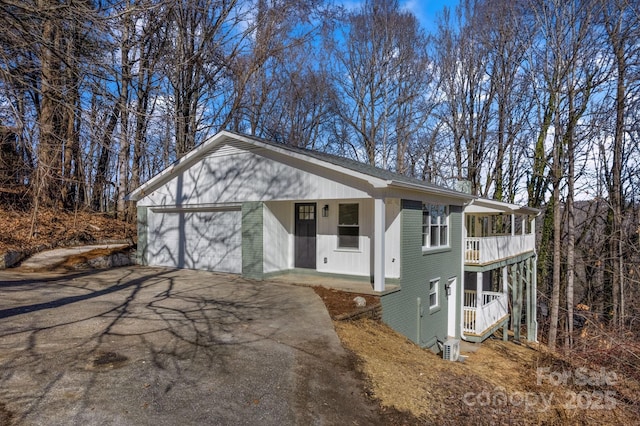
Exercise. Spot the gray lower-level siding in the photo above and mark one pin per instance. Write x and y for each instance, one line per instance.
(407, 310)
(252, 244)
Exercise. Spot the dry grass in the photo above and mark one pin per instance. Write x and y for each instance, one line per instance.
(414, 380)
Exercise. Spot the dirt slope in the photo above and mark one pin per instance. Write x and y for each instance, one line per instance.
(502, 383)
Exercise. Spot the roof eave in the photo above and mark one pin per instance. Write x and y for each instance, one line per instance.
(502, 206)
(431, 190)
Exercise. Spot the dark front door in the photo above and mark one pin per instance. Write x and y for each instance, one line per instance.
(305, 235)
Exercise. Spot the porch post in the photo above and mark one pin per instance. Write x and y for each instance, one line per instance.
(516, 270)
(527, 266)
(479, 289)
(505, 290)
(532, 310)
(505, 281)
(532, 228)
(378, 244)
(513, 224)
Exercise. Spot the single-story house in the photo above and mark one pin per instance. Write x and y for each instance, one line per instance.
(243, 205)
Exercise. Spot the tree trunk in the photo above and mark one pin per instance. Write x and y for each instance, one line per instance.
(571, 231)
(70, 187)
(615, 189)
(557, 228)
(50, 148)
(123, 105)
(100, 182)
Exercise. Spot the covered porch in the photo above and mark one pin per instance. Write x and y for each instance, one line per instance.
(500, 297)
(494, 233)
(485, 303)
(483, 250)
(352, 244)
(484, 313)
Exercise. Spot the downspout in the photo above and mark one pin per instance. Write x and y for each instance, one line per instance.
(418, 320)
(534, 296)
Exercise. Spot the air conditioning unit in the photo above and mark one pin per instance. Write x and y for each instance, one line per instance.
(451, 350)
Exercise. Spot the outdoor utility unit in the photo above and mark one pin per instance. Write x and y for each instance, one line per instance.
(451, 350)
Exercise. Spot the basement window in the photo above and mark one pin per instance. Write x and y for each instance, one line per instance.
(434, 286)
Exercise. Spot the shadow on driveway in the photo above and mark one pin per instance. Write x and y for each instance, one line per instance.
(140, 345)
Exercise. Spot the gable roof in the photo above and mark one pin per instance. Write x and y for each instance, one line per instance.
(379, 178)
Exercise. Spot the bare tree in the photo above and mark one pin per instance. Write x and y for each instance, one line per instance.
(206, 42)
(621, 22)
(146, 83)
(283, 90)
(381, 66)
(508, 35)
(463, 60)
(44, 47)
(569, 79)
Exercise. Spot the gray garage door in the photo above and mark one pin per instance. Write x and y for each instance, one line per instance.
(208, 240)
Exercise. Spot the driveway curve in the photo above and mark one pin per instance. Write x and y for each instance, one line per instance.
(140, 345)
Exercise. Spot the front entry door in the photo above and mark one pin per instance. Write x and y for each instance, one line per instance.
(305, 250)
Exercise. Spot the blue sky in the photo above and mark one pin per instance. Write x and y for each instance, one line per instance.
(425, 10)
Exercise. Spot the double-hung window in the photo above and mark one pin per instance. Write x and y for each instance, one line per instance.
(435, 225)
(348, 226)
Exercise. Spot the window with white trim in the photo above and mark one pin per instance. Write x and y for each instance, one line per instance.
(434, 286)
(348, 226)
(435, 225)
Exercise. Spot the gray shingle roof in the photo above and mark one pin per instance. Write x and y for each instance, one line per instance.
(349, 165)
(354, 165)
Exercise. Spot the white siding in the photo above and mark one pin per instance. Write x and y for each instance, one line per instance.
(344, 261)
(233, 176)
(230, 176)
(392, 238)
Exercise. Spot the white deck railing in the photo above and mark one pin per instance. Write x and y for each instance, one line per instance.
(477, 319)
(480, 250)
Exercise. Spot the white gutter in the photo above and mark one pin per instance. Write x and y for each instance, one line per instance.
(431, 189)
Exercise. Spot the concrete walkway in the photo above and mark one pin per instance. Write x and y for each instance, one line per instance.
(337, 282)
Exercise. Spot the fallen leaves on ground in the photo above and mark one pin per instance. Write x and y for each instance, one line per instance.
(341, 302)
(52, 228)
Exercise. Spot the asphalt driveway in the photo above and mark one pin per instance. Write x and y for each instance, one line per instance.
(137, 345)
